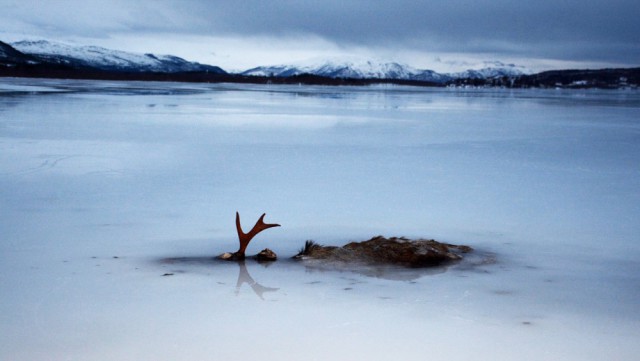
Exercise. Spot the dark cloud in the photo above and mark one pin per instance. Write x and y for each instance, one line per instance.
(602, 30)
(563, 29)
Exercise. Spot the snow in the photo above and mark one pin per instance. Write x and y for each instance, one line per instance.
(115, 196)
(356, 67)
(492, 69)
(105, 58)
(91, 54)
(340, 67)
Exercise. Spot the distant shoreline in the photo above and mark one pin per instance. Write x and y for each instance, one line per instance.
(622, 78)
(61, 72)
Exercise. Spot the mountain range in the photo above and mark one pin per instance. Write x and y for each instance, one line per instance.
(354, 68)
(375, 69)
(94, 57)
(43, 58)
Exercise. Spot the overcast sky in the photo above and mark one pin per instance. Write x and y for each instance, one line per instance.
(442, 35)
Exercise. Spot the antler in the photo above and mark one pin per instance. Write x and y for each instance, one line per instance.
(245, 238)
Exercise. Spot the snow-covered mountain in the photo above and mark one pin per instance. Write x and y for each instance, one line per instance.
(494, 69)
(349, 68)
(9, 55)
(336, 68)
(432, 76)
(370, 69)
(107, 59)
(94, 57)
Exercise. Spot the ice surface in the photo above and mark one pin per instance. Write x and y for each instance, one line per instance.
(115, 196)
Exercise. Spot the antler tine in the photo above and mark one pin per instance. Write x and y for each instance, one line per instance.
(245, 238)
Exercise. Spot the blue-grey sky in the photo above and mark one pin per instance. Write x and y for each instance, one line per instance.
(438, 34)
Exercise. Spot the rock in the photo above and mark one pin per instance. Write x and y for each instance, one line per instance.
(266, 255)
(236, 256)
(387, 251)
(226, 256)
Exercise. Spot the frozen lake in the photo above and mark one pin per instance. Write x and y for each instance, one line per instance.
(114, 196)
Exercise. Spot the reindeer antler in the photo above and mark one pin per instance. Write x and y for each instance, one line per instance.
(245, 238)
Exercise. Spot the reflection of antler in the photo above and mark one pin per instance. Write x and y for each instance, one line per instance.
(245, 238)
(245, 277)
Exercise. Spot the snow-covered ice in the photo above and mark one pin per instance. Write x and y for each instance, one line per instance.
(114, 196)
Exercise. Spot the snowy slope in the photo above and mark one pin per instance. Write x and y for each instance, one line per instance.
(107, 59)
(9, 55)
(362, 68)
(494, 69)
(357, 68)
(430, 75)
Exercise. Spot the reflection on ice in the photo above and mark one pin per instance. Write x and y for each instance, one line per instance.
(182, 264)
(245, 277)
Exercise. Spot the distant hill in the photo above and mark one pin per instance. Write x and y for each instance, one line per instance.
(93, 57)
(355, 68)
(600, 78)
(491, 70)
(371, 69)
(10, 56)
